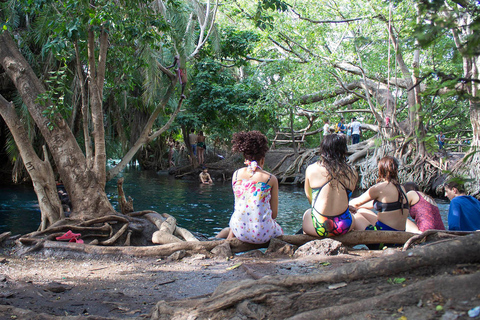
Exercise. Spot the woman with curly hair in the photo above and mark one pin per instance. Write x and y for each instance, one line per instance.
(255, 191)
(329, 183)
(387, 197)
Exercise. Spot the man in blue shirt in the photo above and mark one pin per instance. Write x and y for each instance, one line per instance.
(464, 211)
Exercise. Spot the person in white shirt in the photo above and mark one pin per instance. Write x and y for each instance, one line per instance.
(356, 128)
(326, 128)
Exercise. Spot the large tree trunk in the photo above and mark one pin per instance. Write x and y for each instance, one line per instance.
(86, 193)
(41, 172)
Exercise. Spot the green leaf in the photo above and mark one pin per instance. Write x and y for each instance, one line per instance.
(396, 280)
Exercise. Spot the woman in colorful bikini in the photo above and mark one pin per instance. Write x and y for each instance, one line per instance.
(329, 183)
(423, 209)
(387, 197)
(255, 191)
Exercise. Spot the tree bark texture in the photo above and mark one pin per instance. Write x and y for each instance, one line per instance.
(86, 193)
(40, 171)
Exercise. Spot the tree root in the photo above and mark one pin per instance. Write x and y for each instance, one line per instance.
(442, 234)
(141, 213)
(280, 294)
(117, 235)
(407, 295)
(74, 228)
(349, 239)
(5, 236)
(108, 218)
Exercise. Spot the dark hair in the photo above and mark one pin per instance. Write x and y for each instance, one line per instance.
(200, 133)
(253, 144)
(192, 130)
(455, 183)
(411, 186)
(333, 156)
(388, 171)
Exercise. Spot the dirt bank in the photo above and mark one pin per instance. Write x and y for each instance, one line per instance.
(80, 286)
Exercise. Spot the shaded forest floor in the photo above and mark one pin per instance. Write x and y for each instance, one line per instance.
(78, 286)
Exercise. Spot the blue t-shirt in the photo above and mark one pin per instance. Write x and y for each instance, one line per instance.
(464, 214)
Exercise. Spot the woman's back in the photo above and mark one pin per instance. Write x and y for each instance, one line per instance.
(392, 205)
(425, 211)
(328, 196)
(253, 217)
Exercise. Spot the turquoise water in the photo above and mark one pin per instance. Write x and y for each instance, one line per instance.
(198, 208)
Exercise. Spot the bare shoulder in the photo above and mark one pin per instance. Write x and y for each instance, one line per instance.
(312, 168)
(412, 196)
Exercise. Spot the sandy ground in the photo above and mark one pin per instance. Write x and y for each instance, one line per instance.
(113, 287)
(128, 287)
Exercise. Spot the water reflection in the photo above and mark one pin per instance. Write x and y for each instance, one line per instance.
(197, 207)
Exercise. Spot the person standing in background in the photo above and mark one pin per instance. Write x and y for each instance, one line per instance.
(356, 128)
(201, 147)
(340, 127)
(441, 140)
(326, 128)
(192, 138)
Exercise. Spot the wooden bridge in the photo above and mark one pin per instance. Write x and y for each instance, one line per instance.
(285, 138)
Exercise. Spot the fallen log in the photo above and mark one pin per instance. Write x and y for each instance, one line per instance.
(285, 296)
(355, 237)
(145, 251)
(236, 245)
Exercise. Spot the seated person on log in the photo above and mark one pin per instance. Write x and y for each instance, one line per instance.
(423, 209)
(329, 183)
(205, 176)
(255, 191)
(387, 197)
(464, 211)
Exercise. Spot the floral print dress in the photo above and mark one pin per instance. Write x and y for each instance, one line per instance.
(252, 220)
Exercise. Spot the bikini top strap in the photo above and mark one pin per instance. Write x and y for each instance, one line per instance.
(318, 193)
(235, 174)
(269, 177)
(348, 191)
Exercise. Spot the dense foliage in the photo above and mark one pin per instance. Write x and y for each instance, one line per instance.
(263, 61)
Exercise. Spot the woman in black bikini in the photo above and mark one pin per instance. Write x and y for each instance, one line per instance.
(329, 183)
(387, 197)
